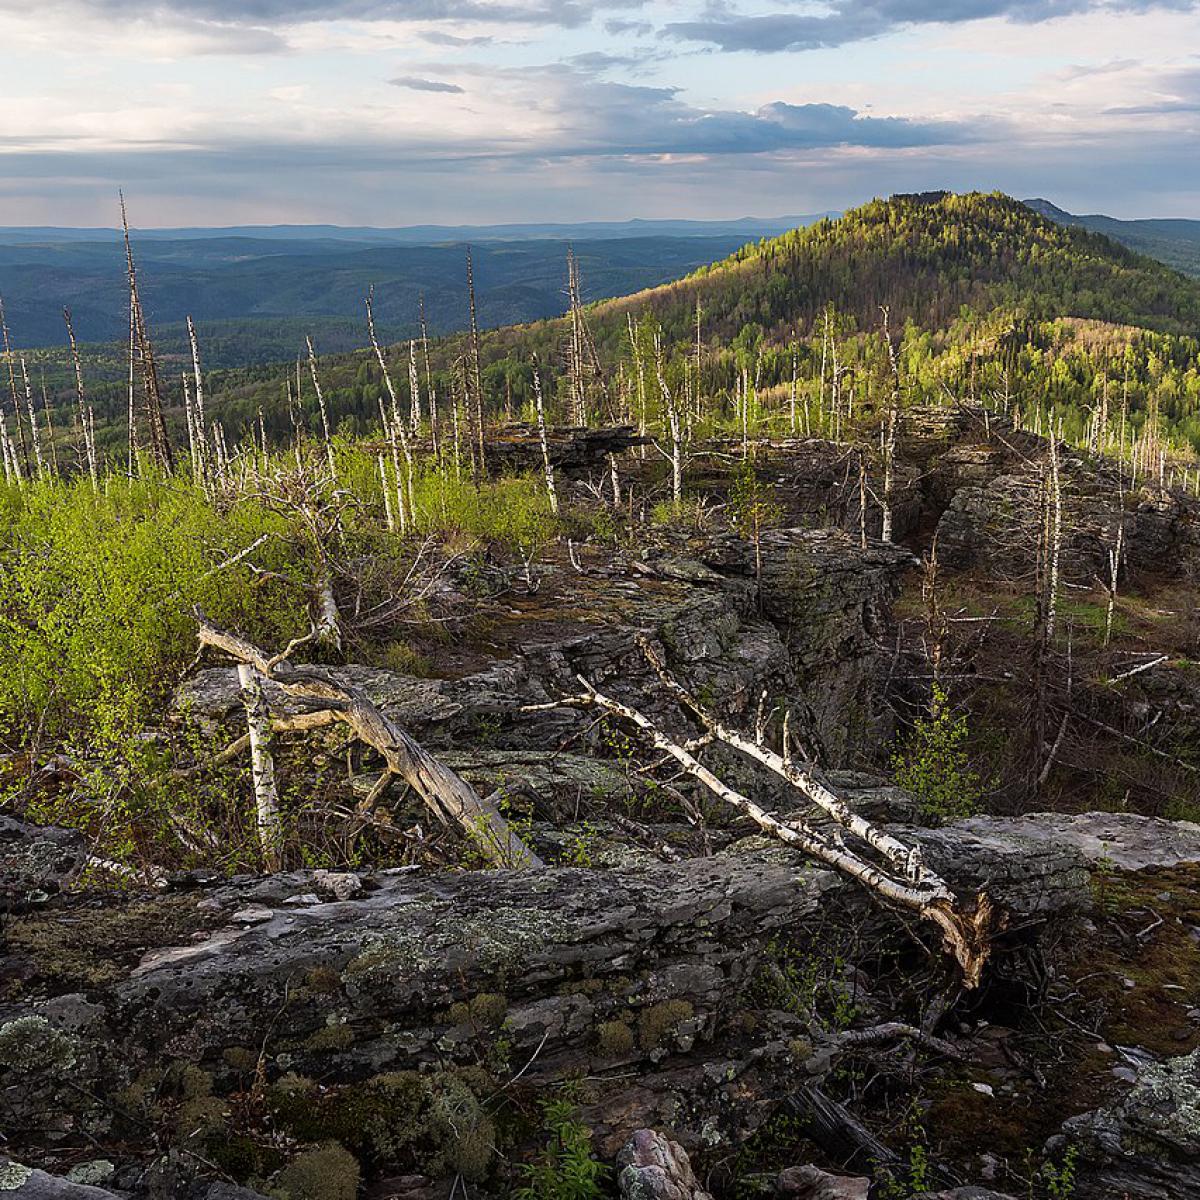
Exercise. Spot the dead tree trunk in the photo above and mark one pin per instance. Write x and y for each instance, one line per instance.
(312, 367)
(450, 798)
(262, 768)
(160, 443)
(82, 411)
(551, 491)
(966, 927)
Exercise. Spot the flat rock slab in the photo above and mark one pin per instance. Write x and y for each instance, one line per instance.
(1121, 841)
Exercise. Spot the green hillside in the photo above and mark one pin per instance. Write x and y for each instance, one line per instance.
(988, 297)
(928, 256)
(1173, 241)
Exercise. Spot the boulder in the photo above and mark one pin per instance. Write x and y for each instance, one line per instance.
(652, 1167)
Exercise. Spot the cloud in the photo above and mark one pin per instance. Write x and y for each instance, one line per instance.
(435, 37)
(567, 14)
(618, 26)
(416, 84)
(858, 20)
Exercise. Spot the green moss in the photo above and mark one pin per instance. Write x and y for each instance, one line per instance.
(659, 1021)
(189, 1081)
(485, 1011)
(95, 947)
(323, 981)
(432, 1123)
(330, 1172)
(331, 1039)
(200, 1117)
(240, 1058)
(614, 1039)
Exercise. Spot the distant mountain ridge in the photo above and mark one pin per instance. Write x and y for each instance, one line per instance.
(425, 235)
(1172, 240)
(262, 288)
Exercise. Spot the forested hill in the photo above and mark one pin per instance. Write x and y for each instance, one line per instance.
(965, 277)
(927, 256)
(1174, 241)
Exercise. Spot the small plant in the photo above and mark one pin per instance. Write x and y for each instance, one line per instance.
(935, 766)
(566, 1169)
(1060, 1180)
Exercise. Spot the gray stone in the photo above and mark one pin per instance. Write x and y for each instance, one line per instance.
(652, 1167)
(1147, 1147)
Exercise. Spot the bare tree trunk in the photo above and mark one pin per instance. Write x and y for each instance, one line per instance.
(414, 387)
(262, 768)
(965, 928)
(551, 491)
(434, 432)
(35, 435)
(50, 438)
(397, 424)
(201, 424)
(12, 391)
(312, 366)
(478, 449)
(450, 798)
(160, 443)
(87, 439)
(889, 440)
(671, 411)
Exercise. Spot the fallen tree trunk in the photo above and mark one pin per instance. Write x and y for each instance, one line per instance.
(452, 800)
(966, 927)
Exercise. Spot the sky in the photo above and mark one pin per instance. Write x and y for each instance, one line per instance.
(398, 112)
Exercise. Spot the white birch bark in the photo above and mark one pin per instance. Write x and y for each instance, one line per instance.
(262, 768)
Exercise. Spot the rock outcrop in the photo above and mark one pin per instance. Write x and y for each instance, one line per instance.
(1147, 1147)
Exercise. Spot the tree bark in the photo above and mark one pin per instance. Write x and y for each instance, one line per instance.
(450, 798)
(262, 768)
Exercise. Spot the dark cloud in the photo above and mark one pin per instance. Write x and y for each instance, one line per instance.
(416, 84)
(858, 20)
(597, 117)
(265, 13)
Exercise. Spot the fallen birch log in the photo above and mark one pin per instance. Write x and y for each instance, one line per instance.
(966, 926)
(452, 800)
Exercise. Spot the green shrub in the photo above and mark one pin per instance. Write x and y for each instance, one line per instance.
(566, 1169)
(934, 764)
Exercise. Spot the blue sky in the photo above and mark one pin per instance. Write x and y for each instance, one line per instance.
(393, 112)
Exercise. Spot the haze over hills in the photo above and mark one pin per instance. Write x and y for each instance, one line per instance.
(1175, 242)
(260, 290)
(745, 227)
(963, 276)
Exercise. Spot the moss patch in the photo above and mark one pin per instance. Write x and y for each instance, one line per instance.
(79, 948)
(329, 1172)
(659, 1021)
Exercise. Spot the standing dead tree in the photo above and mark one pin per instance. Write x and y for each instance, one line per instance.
(262, 767)
(17, 467)
(160, 443)
(901, 879)
(83, 410)
(450, 798)
(325, 433)
(547, 466)
(888, 433)
(393, 427)
(475, 410)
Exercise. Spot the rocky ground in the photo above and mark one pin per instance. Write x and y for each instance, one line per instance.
(718, 1014)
